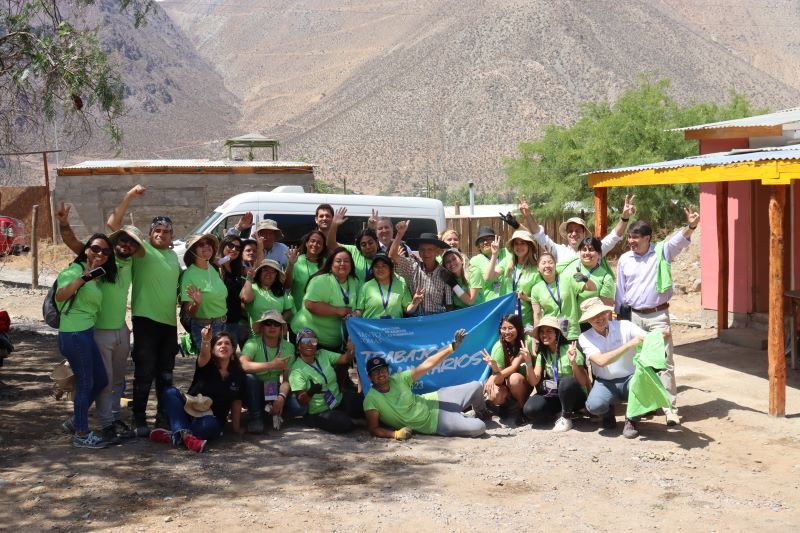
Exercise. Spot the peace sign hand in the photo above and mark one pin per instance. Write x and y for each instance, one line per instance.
(496, 245)
(523, 206)
(63, 214)
(572, 353)
(629, 209)
(418, 296)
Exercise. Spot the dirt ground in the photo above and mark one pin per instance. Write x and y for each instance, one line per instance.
(727, 467)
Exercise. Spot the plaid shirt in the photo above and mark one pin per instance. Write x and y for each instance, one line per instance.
(438, 295)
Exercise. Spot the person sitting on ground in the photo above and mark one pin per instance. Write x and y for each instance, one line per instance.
(268, 236)
(266, 289)
(385, 295)
(391, 401)
(507, 382)
(217, 390)
(203, 293)
(559, 373)
(305, 261)
(610, 346)
(267, 359)
(574, 230)
(313, 381)
(466, 292)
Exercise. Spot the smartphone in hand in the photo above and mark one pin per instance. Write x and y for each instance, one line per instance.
(97, 272)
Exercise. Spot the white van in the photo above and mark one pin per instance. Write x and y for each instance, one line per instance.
(294, 213)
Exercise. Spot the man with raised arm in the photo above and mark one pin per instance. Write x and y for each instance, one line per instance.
(575, 230)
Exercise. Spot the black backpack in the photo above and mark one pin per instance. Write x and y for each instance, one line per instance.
(50, 311)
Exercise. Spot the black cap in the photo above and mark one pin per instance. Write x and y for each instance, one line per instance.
(484, 231)
(374, 363)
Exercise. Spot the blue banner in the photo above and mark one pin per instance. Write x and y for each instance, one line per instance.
(407, 342)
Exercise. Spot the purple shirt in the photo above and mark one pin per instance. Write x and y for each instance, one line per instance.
(636, 274)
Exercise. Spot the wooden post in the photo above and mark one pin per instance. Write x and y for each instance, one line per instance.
(722, 253)
(600, 212)
(777, 360)
(35, 247)
(457, 208)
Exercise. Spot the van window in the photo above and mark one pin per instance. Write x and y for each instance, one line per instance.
(205, 225)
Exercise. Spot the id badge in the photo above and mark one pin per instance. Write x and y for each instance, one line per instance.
(330, 399)
(564, 326)
(551, 387)
(270, 390)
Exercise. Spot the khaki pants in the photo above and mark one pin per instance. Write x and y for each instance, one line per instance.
(114, 346)
(659, 322)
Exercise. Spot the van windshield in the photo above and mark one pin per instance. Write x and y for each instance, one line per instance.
(205, 225)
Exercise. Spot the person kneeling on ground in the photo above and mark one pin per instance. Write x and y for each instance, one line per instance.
(313, 381)
(610, 346)
(217, 389)
(390, 401)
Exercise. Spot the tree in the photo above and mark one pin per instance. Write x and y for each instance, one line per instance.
(632, 131)
(52, 63)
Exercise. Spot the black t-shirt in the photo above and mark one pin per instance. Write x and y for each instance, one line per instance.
(208, 382)
(234, 285)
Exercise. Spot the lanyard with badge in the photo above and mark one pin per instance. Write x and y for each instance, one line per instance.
(270, 387)
(388, 296)
(330, 399)
(564, 323)
(551, 385)
(515, 279)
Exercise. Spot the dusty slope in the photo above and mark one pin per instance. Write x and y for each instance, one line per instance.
(387, 93)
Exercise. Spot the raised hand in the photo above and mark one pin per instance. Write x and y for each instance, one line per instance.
(372, 221)
(526, 355)
(692, 216)
(418, 296)
(572, 353)
(205, 334)
(63, 214)
(137, 190)
(458, 338)
(245, 222)
(195, 294)
(628, 210)
(340, 217)
(402, 227)
(523, 206)
(496, 245)
(292, 254)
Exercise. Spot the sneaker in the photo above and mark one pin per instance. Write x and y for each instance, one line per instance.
(672, 417)
(91, 440)
(142, 429)
(609, 420)
(193, 443)
(123, 430)
(520, 419)
(255, 425)
(68, 426)
(630, 431)
(162, 436)
(562, 424)
(110, 435)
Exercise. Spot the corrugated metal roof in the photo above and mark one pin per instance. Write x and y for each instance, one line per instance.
(185, 163)
(779, 153)
(778, 118)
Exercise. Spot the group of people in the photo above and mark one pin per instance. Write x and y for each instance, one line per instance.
(268, 322)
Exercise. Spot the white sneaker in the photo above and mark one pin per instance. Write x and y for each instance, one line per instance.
(672, 417)
(562, 424)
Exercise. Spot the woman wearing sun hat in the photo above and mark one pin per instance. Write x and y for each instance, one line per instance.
(264, 290)
(203, 293)
(559, 374)
(518, 272)
(385, 295)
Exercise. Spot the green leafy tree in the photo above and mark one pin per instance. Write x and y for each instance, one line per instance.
(51, 62)
(634, 130)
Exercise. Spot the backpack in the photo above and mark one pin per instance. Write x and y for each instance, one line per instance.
(50, 311)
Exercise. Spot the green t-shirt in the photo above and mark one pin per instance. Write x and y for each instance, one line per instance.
(499, 357)
(564, 291)
(326, 289)
(370, 298)
(520, 278)
(564, 367)
(602, 277)
(215, 293)
(154, 293)
(400, 407)
(254, 349)
(304, 375)
(360, 263)
(478, 266)
(264, 300)
(302, 270)
(115, 297)
(82, 311)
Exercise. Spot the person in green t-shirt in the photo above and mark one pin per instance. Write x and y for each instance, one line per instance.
(506, 386)
(79, 298)
(392, 402)
(591, 265)
(518, 272)
(557, 295)
(203, 293)
(560, 375)
(304, 262)
(386, 295)
(366, 243)
(467, 291)
(479, 263)
(267, 359)
(266, 289)
(313, 382)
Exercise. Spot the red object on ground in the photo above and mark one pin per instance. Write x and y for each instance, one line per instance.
(5, 321)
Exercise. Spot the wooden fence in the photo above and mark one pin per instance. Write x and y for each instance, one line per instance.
(467, 227)
(18, 202)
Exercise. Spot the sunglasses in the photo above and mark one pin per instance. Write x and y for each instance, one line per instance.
(100, 250)
(233, 246)
(312, 342)
(162, 220)
(271, 323)
(124, 238)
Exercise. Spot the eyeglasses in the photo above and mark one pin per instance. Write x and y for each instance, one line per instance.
(100, 250)
(308, 340)
(271, 323)
(233, 246)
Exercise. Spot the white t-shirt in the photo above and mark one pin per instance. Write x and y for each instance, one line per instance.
(619, 332)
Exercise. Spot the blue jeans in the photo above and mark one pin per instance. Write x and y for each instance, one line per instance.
(203, 427)
(217, 326)
(607, 392)
(256, 403)
(90, 375)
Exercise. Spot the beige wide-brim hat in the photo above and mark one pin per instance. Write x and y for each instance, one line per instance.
(269, 224)
(562, 229)
(522, 235)
(194, 239)
(593, 307)
(269, 314)
(134, 233)
(272, 264)
(549, 321)
(198, 406)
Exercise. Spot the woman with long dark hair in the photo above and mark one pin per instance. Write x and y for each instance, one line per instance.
(507, 381)
(265, 290)
(466, 292)
(79, 299)
(385, 295)
(304, 262)
(231, 270)
(556, 294)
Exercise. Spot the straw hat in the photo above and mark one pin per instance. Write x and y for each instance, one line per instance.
(134, 233)
(549, 321)
(269, 314)
(562, 229)
(593, 307)
(194, 239)
(64, 380)
(522, 235)
(272, 264)
(198, 406)
(269, 224)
